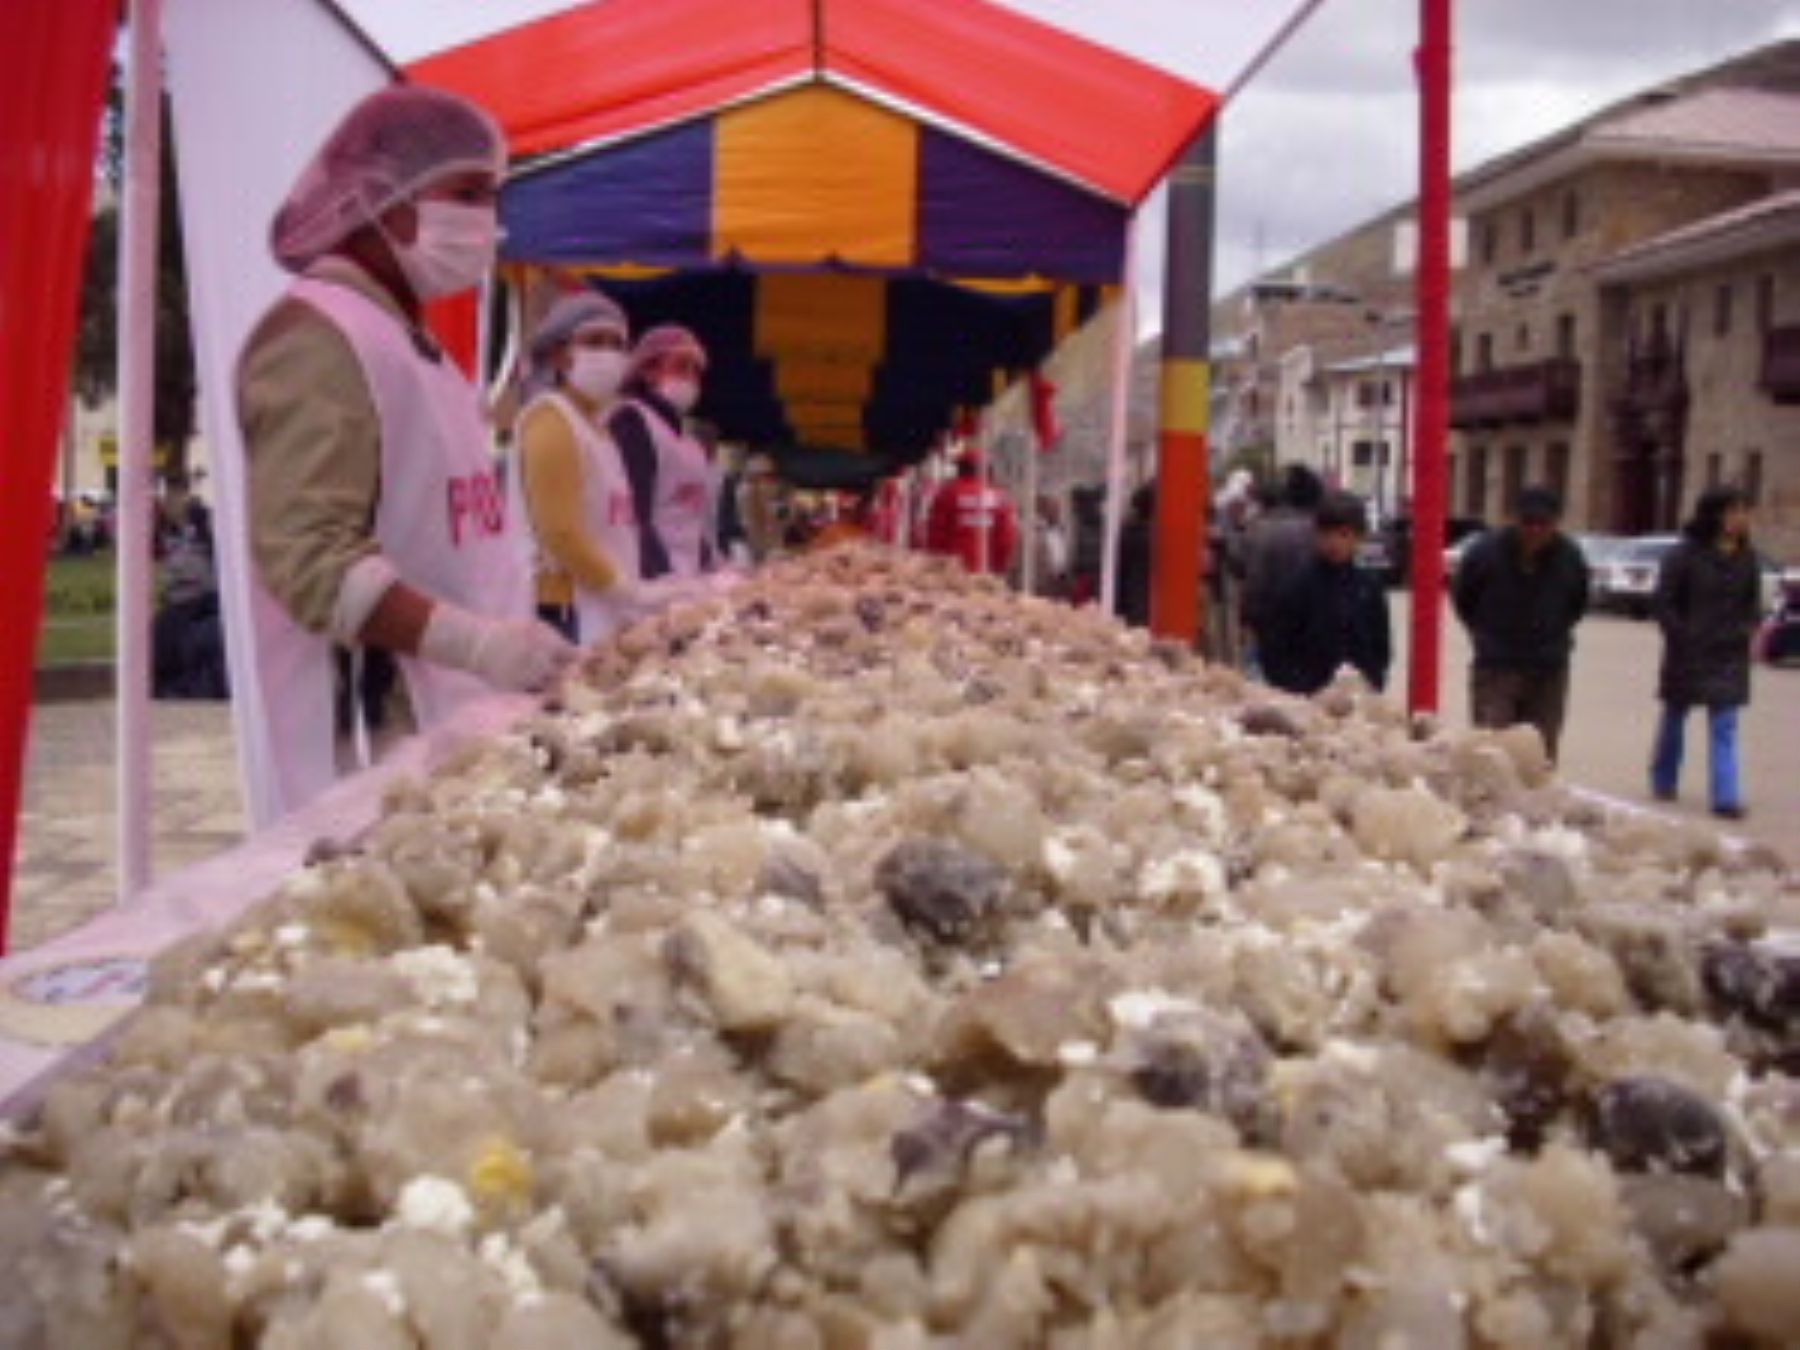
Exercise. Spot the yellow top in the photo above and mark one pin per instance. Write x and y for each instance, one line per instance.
(550, 460)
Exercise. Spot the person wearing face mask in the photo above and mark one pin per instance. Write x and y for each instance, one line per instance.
(376, 517)
(570, 484)
(675, 485)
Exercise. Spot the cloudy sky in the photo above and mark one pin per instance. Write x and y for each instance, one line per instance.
(1326, 136)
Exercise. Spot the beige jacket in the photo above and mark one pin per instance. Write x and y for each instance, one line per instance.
(312, 446)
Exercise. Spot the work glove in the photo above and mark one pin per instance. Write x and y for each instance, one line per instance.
(518, 655)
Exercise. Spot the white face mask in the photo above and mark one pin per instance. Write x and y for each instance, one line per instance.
(680, 392)
(596, 372)
(453, 250)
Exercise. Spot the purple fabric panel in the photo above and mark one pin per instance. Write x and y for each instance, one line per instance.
(646, 201)
(981, 214)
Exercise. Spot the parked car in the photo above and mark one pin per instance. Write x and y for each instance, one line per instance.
(1776, 581)
(1388, 550)
(1454, 555)
(1627, 582)
(1778, 639)
(1601, 552)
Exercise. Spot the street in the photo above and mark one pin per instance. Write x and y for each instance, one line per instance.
(1612, 718)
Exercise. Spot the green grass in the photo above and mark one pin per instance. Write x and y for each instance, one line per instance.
(78, 611)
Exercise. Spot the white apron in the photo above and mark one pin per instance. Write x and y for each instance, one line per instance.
(687, 495)
(606, 510)
(441, 520)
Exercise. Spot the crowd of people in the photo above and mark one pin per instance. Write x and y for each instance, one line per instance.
(401, 572)
(1307, 610)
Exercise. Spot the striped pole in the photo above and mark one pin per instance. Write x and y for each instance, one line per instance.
(1184, 479)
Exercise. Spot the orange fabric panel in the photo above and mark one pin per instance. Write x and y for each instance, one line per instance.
(1108, 121)
(816, 174)
(619, 66)
(821, 315)
(801, 378)
(1068, 312)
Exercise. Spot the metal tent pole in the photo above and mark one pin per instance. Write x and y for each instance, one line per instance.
(137, 429)
(1432, 437)
(1121, 402)
(1184, 478)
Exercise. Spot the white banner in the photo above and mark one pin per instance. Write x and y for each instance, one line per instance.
(256, 86)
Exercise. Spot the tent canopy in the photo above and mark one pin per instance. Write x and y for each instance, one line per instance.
(854, 163)
(850, 360)
(599, 71)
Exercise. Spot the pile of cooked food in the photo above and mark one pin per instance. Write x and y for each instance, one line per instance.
(870, 957)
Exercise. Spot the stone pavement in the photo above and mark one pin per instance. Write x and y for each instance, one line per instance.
(66, 833)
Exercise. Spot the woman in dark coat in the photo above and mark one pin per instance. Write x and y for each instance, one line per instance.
(1707, 601)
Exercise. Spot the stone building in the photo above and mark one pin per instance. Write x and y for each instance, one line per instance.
(1626, 310)
(1554, 381)
(1708, 389)
(1351, 419)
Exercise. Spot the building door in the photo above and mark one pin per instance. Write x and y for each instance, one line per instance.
(1556, 471)
(1517, 457)
(1475, 489)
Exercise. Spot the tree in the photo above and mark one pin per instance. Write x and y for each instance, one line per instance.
(96, 355)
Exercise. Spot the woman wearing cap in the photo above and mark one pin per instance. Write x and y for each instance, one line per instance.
(376, 518)
(674, 483)
(571, 489)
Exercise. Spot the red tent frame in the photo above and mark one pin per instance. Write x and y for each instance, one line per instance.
(51, 108)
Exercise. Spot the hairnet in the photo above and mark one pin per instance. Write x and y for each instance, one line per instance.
(663, 340)
(386, 149)
(568, 316)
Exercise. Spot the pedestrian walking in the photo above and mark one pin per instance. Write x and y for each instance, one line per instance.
(1332, 613)
(1277, 545)
(1520, 592)
(1707, 603)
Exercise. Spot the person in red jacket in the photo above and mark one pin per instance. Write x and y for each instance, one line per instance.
(974, 521)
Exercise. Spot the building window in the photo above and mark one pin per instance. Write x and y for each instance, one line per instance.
(1556, 470)
(1365, 394)
(1518, 459)
(1490, 242)
(1715, 470)
(1362, 454)
(1571, 214)
(1522, 339)
(1387, 393)
(1722, 311)
(1484, 352)
(1565, 336)
(1475, 489)
(1456, 352)
(1528, 232)
(1765, 302)
(1753, 477)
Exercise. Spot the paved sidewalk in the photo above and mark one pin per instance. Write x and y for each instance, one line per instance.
(67, 831)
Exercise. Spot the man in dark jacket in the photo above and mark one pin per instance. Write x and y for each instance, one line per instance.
(1520, 592)
(1277, 545)
(1331, 614)
(1707, 601)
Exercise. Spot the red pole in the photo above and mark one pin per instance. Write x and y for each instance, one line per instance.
(1431, 436)
(50, 108)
